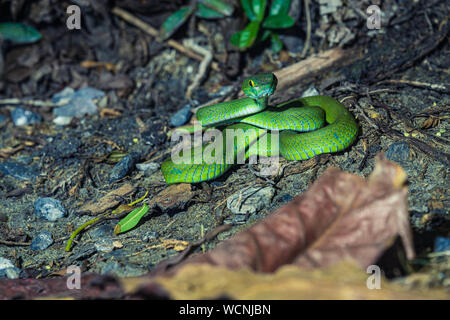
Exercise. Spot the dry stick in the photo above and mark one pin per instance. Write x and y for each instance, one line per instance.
(31, 102)
(154, 33)
(436, 87)
(204, 65)
(308, 30)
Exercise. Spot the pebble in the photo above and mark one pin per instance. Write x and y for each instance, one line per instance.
(8, 270)
(22, 117)
(148, 168)
(250, 199)
(150, 235)
(18, 171)
(5, 263)
(310, 92)
(49, 209)
(104, 245)
(293, 44)
(181, 117)
(441, 244)
(103, 231)
(123, 167)
(42, 241)
(398, 152)
(78, 104)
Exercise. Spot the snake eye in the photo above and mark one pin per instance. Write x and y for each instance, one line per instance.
(251, 83)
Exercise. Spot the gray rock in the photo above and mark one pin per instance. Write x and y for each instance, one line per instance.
(5, 263)
(398, 152)
(77, 107)
(123, 167)
(49, 209)
(148, 168)
(18, 171)
(42, 241)
(310, 92)
(250, 199)
(22, 117)
(64, 95)
(89, 93)
(181, 116)
(104, 231)
(10, 273)
(104, 245)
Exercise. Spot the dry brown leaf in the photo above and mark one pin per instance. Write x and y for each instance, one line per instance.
(174, 197)
(342, 216)
(108, 201)
(342, 281)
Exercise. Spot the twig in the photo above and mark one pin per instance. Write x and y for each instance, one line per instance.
(154, 33)
(202, 69)
(12, 243)
(308, 30)
(31, 102)
(436, 87)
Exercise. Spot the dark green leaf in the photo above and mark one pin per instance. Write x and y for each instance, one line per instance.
(244, 39)
(276, 43)
(259, 8)
(174, 21)
(207, 13)
(248, 9)
(19, 33)
(279, 21)
(279, 7)
(219, 6)
(266, 34)
(131, 219)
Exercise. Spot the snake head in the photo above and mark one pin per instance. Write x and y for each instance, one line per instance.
(260, 85)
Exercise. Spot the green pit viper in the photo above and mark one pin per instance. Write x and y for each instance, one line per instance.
(252, 114)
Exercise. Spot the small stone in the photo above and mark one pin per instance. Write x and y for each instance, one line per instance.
(250, 200)
(181, 116)
(103, 231)
(398, 152)
(441, 244)
(123, 167)
(42, 241)
(293, 43)
(151, 235)
(89, 93)
(49, 209)
(18, 171)
(148, 168)
(77, 107)
(65, 95)
(5, 263)
(104, 245)
(22, 117)
(10, 273)
(310, 92)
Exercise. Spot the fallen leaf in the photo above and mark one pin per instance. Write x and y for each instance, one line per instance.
(174, 197)
(108, 201)
(342, 216)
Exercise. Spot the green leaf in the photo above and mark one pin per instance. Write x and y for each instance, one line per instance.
(219, 6)
(266, 34)
(244, 39)
(131, 219)
(248, 9)
(278, 22)
(279, 7)
(259, 8)
(277, 45)
(19, 33)
(174, 21)
(207, 13)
